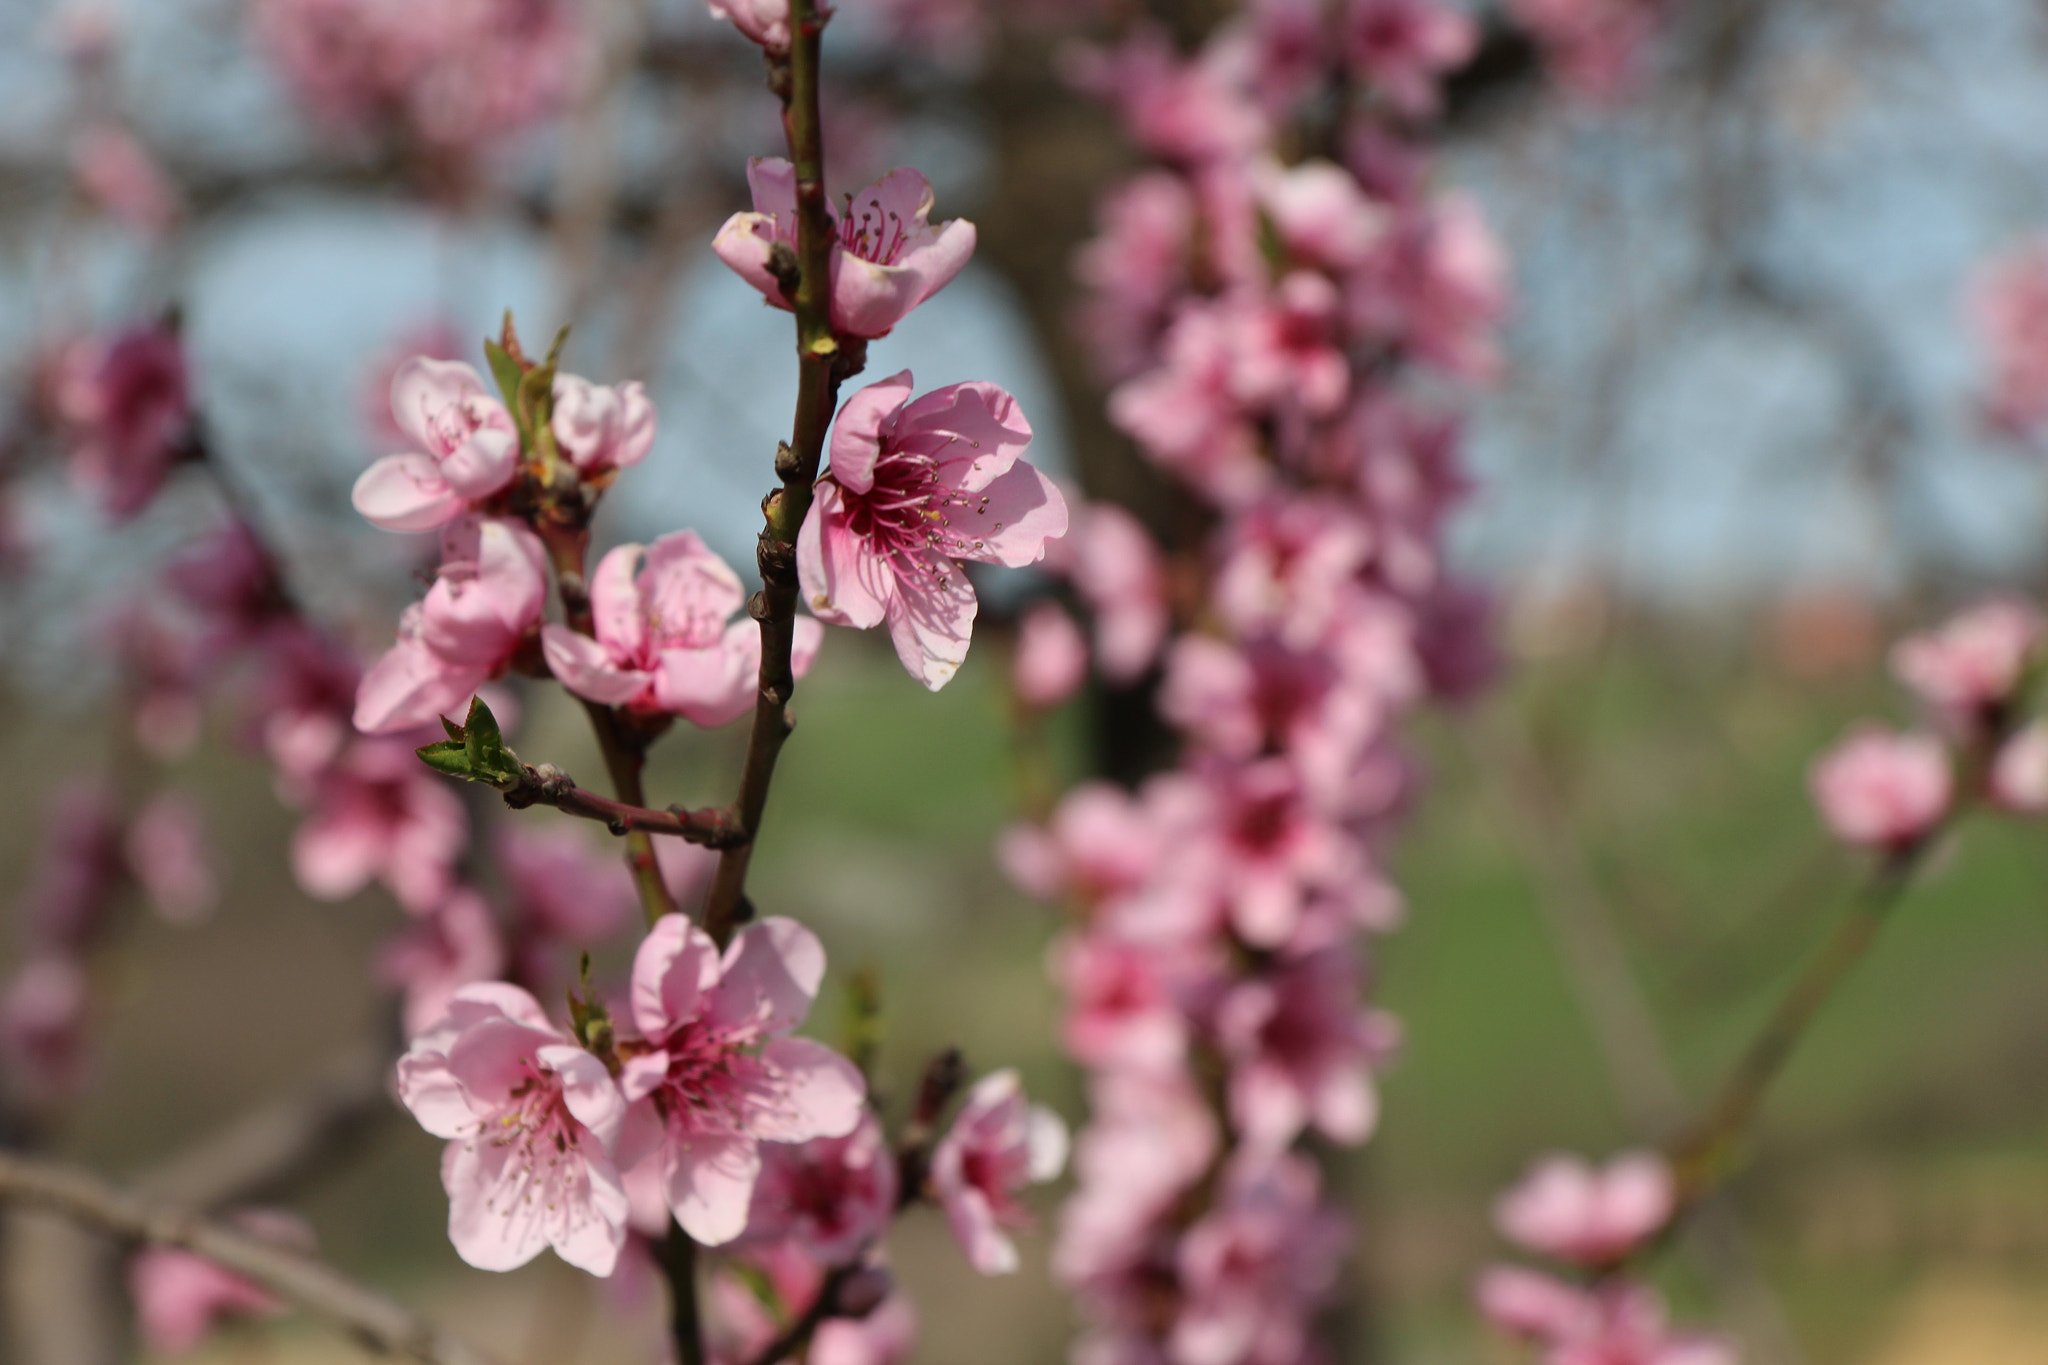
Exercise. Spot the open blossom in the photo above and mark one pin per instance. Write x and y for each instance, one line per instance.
(997, 1145)
(717, 1074)
(126, 406)
(464, 448)
(666, 640)
(1882, 790)
(1118, 571)
(1974, 662)
(531, 1119)
(1568, 1209)
(1256, 1268)
(915, 485)
(485, 604)
(887, 257)
(1621, 1323)
(179, 1295)
(832, 1195)
(1302, 1050)
(599, 427)
(380, 814)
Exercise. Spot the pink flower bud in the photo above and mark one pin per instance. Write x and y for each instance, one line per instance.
(1878, 789)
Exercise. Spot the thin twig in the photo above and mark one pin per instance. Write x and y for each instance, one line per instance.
(823, 361)
(378, 1322)
(547, 785)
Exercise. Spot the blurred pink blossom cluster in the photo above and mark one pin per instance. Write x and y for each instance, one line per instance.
(1281, 336)
(1595, 49)
(1592, 1219)
(1891, 791)
(2006, 307)
(451, 75)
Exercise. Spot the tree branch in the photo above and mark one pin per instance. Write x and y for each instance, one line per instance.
(547, 785)
(378, 1322)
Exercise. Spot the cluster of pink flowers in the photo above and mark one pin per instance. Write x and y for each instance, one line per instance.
(452, 76)
(2007, 307)
(1890, 791)
(1272, 332)
(1592, 1220)
(1594, 48)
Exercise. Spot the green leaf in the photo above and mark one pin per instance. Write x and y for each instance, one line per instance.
(484, 745)
(506, 371)
(446, 756)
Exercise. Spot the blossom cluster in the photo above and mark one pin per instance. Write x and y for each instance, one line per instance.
(1277, 333)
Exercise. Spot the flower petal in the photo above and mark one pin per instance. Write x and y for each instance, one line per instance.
(857, 432)
(674, 965)
(931, 618)
(405, 493)
(824, 1092)
(770, 976)
(581, 664)
(845, 582)
(711, 1182)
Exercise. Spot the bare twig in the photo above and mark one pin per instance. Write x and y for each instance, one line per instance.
(548, 785)
(378, 1322)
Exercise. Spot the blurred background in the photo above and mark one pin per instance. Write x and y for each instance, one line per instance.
(1739, 443)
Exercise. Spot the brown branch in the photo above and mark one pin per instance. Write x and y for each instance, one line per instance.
(547, 785)
(379, 1323)
(822, 361)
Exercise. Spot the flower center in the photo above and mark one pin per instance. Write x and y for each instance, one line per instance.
(873, 233)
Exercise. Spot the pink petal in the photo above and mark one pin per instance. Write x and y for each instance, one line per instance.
(744, 244)
(974, 431)
(857, 433)
(772, 182)
(484, 463)
(409, 687)
(583, 666)
(844, 581)
(770, 976)
(587, 1090)
(974, 1225)
(617, 614)
(807, 637)
(687, 590)
(673, 967)
(482, 1180)
(1045, 1141)
(868, 300)
(406, 493)
(336, 853)
(590, 1232)
(711, 1183)
(931, 619)
(429, 1089)
(1020, 511)
(823, 1089)
(711, 687)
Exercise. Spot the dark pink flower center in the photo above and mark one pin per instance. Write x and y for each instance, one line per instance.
(453, 424)
(703, 1084)
(908, 511)
(873, 233)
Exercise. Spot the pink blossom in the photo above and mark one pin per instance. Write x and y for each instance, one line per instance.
(231, 581)
(884, 1337)
(1255, 1269)
(915, 485)
(1187, 412)
(167, 852)
(464, 448)
(2007, 307)
(485, 605)
(126, 403)
(118, 174)
(997, 1145)
(888, 258)
(1301, 1051)
(433, 338)
(531, 1119)
(563, 897)
(299, 703)
(762, 21)
(1150, 1140)
(1881, 789)
(1288, 568)
(1122, 1007)
(43, 1029)
(1117, 570)
(1566, 1208)
(717, 1074)
(664, 638)
(1134, 267)
(1404, 47)
(454, 944)
(833, 1196)
(1288, 349)
(380, 814)
(179, 1296)
(1974, 662)
(1052, 658)
(1098, 846)
(1188, 112)
(1440, 287)
(1621, 1323)
(2018, 780)
(453, 76)
(1322, 215)
(600, 428)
